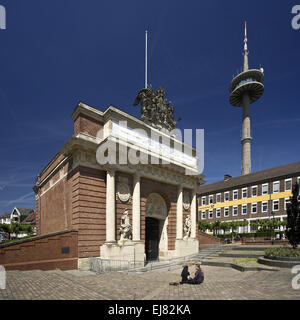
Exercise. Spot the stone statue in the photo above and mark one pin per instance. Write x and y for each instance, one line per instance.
(125, 229)
(155, 109)
(187, 227)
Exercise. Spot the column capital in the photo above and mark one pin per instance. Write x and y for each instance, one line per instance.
(111, 171)
(136, 176)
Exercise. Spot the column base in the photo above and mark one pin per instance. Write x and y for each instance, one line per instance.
(186, 247)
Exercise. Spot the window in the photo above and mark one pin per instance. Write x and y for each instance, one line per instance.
(275, 205)
(218, 198)
(253, 208)
(244, 193)
(210, 214)
(286, 201)
(264, 189)
(218, 213)
(203, 202)
(235, 194)
(288, 184)
(264, 206)
(226, 212)
(244, 209)
(203, 215)
(275, 186)
(254, 191)
(226, 196)
(235, 211)
(211, 199)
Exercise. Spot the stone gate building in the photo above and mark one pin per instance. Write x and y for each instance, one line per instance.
(127, 211)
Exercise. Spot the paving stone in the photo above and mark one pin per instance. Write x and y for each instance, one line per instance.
(220, 283)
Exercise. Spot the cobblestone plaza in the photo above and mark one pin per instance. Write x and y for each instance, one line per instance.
(220, 284)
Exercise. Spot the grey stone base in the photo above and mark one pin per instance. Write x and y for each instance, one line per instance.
(128, 250)
(277, 263)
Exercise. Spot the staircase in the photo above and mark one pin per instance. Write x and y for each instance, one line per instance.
(171, 263)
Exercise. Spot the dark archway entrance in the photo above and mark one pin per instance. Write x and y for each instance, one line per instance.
(152, 239)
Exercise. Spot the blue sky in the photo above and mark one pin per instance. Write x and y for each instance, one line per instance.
(56, 53)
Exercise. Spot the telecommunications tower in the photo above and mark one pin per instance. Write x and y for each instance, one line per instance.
(246, 88)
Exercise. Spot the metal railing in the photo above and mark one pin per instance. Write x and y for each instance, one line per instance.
(99, 265)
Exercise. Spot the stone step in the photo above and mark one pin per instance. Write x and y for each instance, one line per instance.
(242, 254)
(237, 266)
(248, 248)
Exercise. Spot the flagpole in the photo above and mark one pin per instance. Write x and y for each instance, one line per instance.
(146, 59)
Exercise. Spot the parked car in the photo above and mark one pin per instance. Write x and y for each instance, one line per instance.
(237, 238)
(227, 241)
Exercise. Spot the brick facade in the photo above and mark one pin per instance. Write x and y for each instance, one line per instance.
(73, 187)
(269, 198)
(58, 250)
(87, 125)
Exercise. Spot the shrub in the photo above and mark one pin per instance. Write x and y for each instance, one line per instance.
(282, 252)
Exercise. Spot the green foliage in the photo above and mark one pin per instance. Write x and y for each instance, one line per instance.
(215, 226)
(203, 225)
(245, 260)
(256, 234)
(27, 228)
(16, 228)
(282, 252)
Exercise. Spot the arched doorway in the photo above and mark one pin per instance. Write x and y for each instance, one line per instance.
(156, 227)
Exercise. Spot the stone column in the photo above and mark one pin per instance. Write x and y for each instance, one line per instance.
(110, 207)
(179, 214)
(136, 209)
(193, 214)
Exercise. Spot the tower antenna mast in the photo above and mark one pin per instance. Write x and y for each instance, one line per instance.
(246, 88)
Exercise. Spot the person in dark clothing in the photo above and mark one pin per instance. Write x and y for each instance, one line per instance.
(184, 274)
(199, 276)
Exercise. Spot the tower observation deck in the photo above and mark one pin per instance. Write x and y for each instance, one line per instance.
(246, 88)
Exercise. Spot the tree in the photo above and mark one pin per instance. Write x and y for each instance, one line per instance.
(27, 228)
(225, 226)
(203, 225)
(293, 218)
(15, 228)
(217, 226)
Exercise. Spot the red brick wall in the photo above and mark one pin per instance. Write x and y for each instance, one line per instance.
(85, 124)
(56, 205)
(206, 239)
(89, 203)
(55, 162)
(43, 253)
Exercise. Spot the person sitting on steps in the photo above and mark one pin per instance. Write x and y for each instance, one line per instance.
(184, 274)
(199, 276)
